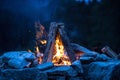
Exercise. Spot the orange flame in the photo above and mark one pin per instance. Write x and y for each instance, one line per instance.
(39, 55)
(37, 50)
(60, 55)
(41, 36)
(43, 42)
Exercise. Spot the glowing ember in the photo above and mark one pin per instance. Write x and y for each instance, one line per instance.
(60, 55)
(39, 55)
(43, 42)
(37, 50)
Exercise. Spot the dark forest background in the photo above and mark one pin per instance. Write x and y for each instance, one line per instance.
(92, 25)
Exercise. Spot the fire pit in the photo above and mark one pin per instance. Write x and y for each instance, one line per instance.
(61, 60)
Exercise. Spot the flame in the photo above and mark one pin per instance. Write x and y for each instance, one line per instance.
(37, 50)
(39, 55)
(43, 42)
(41, 36)
(60, 55)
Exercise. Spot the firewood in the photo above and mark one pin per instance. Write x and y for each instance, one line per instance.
(109, 52)
(57, 28)
(50, 43)
(66, 42)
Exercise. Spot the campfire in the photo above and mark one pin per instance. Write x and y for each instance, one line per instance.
(58, 48)
(56, 58)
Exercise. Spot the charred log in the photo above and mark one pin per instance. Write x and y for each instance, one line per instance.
(109, 52)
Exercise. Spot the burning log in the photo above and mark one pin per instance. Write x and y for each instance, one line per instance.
(109, 52)
(58, 47)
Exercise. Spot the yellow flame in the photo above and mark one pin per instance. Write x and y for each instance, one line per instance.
(37, 50)
(43, 42)
(60, 55)
(39, 55)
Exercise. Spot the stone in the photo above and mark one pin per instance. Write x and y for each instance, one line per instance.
(29, 56)
(45, 66)
(12, 54)
(86, 60)
(18, 59)
(85, 52)
(62, 71)
(115, 73)
(77, 66)
(15, 54)
(1, 63)
(77, 47)
(35, 63)
(23, 74)
(92, 54)
(107, 70)
(102, 57)
(18, 63)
